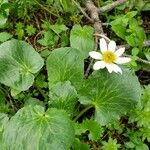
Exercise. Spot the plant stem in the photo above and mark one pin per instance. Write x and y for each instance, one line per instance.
(82, 112)
(45, 8)
(42, 93)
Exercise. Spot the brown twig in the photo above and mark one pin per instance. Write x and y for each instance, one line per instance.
(140, 60)
(82, 10)
(35, 39)
(112, 5)
(146, 43)
(143, 61)
(93, 11)
(11, 103)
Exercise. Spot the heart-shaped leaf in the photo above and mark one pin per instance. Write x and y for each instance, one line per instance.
(111, 94)
(18, 63)
(32, 128)
(65, 64)
(82, 39)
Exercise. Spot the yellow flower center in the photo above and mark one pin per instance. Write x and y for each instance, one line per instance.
(109, 57)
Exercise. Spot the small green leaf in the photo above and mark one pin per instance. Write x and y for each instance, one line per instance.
(131, 14)
(132, 40)
(49, 39)
(147, 54)
(32, 128)
(92, 126)
(119, 26)
(147, 7)
(65, 64)
(66, 4)
(82, 39)
(58, 28)
(79, 145)
(18, 64)
(63, 96)
(129, 145)
(110, 145)
(4, 36)
(111, 94)
(30, 30)
(135, 51)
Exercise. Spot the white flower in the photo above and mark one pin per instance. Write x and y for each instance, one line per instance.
(108, 57)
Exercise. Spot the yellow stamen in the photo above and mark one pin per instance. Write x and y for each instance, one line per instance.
(109, 57)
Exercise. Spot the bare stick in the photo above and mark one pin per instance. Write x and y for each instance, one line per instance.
(82, 10)
(103, 36)
(112, 5)
(146, 43)
(93, 10)
(143, 61)
(140, 60)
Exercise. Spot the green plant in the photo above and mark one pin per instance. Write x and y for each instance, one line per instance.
(58, 91)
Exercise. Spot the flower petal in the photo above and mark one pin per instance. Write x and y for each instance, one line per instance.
(112, 46)
(109, 67)
(123, 60)
(95, 55)
(103, 45)
(120, 51)
(116, 68)
(99, 65)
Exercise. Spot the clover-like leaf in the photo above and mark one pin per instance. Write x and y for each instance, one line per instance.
(63, 96)
(65, 64)
(32, 128)
(82, 38)
(18, 64)
(111, 94)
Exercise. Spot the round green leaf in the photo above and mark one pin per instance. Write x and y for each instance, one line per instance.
(34, 129)
(63, 96)
(65, 64)
(18, 63)
(111, 94)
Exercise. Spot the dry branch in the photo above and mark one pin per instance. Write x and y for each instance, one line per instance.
(94, 13)
(112, 5)
(146, 43)
(93, 10)
(82, 10)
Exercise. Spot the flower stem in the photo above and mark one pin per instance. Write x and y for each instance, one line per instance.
(82, 112)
